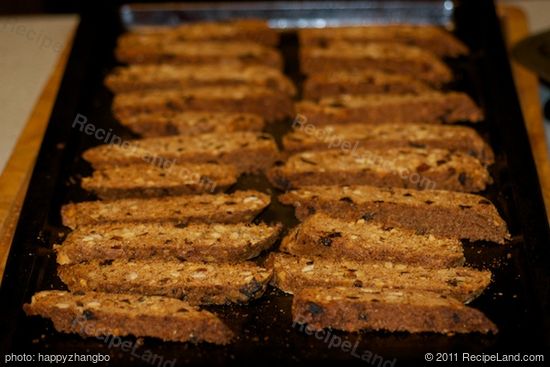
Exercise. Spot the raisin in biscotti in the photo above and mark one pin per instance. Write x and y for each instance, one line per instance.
(386, 57)
(271, 105)
(241, 206)
(253, 30)
(149, 180)
(292, 274)
(432, 38)
(195, 242)
(191, 123)
(200, 53)
(322, 235)
(394, 167)
(354, 309)
(351, 136)
(317, 86)
(248, 152)
(194, 282)
(101, 314)
(442, 213)
(430, 107)
(135, 78)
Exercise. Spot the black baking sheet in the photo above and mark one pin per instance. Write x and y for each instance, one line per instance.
(517, 300)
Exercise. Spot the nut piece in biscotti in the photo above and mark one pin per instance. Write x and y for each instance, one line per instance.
(149, 180)
(194, 282)
(389, 57)
(442, 213)
(102, 314)
(396, 167)
(271, 105)
(195, 242)
(292, 274)
(136, 78)
(199, 53)
(354, 309)
(240, 206)
(429, 37)
(429, 107)
(317, 86)
(191, 123)
(361, 240)
(349, 137)
(248, 152)
(252, 30)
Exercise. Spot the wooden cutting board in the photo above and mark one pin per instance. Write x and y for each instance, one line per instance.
(15, 178)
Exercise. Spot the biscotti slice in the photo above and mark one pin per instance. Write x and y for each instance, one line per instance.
(149, 180)
(252, 30)
(240, 206)
(248, 152)
(101, 314)
(292, 274)
(194, 282)
(317, 86)
(442, 213)
(271, 105)
(429, 107)
(361, 240)
(200, 53)
(349, 137)
(191, 123)
(394, 167)
(135, 78)
(195, 242)
(389, 57)
(356, 309)
(432, 38)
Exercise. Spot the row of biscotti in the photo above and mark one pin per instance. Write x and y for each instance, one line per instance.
(370, 258)
(157, 256)
(399, 59)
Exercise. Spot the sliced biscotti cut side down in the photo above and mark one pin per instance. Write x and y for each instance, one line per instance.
(102, 314)
(442, 213)
(195, 242)
(194, 282)
(271, 105)
(191, 123)
(389, 57)
(247, 151)
(429, 107)
(354, 309)
(292, 274)
(240, 206)
(349, 137)
(149, 180)
(252, 30)
(432, 38)
(135, 78)
(317, 86)
(200, 53)
(361, 240)
(397, 167)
